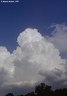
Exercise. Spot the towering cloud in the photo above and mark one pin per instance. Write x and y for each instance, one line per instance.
(34, 60)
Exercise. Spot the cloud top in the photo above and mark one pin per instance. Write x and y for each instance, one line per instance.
(29, 35)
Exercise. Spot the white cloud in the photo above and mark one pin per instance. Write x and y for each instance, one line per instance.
(6, 65)
(59, 37)
(34, 60)
(28, 36)
(35, 54)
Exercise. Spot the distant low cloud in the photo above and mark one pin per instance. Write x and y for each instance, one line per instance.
(34, 60)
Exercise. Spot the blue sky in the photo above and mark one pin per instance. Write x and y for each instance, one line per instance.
(39, 53)
(40, 14)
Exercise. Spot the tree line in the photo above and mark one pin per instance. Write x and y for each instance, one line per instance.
(44, 90)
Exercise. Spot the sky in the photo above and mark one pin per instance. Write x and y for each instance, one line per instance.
(33, 45)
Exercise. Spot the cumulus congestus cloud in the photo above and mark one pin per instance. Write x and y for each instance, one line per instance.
(34, 60)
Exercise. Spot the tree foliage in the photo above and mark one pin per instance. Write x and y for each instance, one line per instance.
(44, 90)
(9, 94)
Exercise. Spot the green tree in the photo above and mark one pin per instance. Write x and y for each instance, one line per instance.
(20, 95)
(48, 91)
(43, 90)
(9, 94)
(30, 94)
(40, 89)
